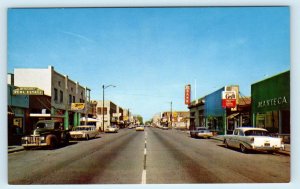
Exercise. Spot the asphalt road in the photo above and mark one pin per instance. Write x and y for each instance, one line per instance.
(151, 157)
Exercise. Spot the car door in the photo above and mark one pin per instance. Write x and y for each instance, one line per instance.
(234, 138)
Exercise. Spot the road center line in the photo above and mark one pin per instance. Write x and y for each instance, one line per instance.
(144, 177)
(145, 159)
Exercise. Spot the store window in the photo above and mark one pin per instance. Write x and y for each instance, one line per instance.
(55, 95)
(70, 99)
(61, 97)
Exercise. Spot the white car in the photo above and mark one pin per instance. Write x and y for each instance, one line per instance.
(249, 138)
(201, 132)
(111, 129)
(84, 132)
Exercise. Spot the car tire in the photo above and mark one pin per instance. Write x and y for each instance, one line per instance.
(26, 147)
(243, 148)
(226, 144)
(53, 144)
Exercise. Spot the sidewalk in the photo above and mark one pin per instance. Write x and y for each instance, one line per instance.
(286, 151)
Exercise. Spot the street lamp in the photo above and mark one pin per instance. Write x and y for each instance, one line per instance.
(171, 116)
(104, 87)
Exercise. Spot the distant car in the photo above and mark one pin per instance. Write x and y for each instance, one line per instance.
(201, 132)
(84, 132)
(140, 128)
(131, 126)
(165, 128)
(111, 129)
(249, 138)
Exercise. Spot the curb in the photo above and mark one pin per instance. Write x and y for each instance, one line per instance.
(15, 150)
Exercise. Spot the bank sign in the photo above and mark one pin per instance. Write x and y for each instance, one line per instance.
(271, 94)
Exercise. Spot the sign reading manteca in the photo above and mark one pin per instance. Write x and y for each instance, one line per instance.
(28, 91)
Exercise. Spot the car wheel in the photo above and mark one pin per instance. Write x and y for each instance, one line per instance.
(87, 137)
(270, 152)
(26, 148)
(243, 148)
(53, 144)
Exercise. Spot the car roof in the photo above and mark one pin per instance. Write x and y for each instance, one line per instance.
(251, 128)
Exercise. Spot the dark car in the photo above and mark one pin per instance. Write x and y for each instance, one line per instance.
(47, 133)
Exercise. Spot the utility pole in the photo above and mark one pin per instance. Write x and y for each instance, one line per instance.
(171, 117)
(104, 87)
(103, 108)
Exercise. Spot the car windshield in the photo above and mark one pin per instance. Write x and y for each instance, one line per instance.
(44, 125)
(202, 129)
(256, 133)
(81, 128)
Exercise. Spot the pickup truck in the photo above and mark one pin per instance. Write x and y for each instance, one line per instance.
(47, 133)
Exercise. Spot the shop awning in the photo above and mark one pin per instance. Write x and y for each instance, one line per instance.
(89, 119)
(233, 115)
(45, 115)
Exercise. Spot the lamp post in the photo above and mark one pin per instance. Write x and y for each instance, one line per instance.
(171, 116)
(104, 87)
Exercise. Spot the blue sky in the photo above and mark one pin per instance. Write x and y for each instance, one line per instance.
(150, 54)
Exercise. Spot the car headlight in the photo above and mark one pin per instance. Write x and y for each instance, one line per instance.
(25, 138)
(42, 138)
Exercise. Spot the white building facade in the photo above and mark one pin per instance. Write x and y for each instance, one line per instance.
(60, 88)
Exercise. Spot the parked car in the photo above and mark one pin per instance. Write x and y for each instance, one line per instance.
(47, 133)
(249, 138)
(111, 129)
(84, 132)
(131, 126)
(140, 128)
(201, 132)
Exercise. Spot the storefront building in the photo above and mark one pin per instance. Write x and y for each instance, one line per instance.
(271, 104)
(61, 90)
(214, 113)
(16, 115)
(197, 118)
(109, 110)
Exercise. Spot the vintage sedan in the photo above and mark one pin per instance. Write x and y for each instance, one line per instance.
(111, 129)
(249, 138)
(84, 132)
(201, 132)
(140, 128)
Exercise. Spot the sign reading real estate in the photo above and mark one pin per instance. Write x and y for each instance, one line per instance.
(28, 91)
(187, 94)
(228, 99)
(77, 106)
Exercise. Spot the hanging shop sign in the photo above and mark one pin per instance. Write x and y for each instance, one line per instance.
(77, 106)
(228, 99)
(28, 91)
(187, 94)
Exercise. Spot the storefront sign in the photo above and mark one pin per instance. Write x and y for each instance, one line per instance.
(272, 102)
(271, 94)
(117, 114)
(187, 94)
(228, 99)
(28, 91)
(77, 106)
